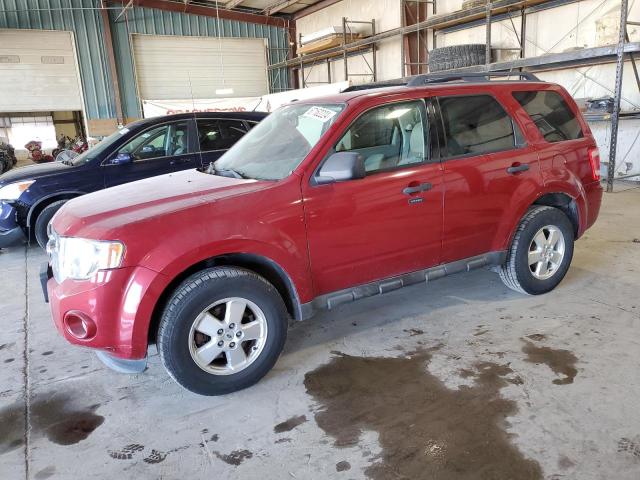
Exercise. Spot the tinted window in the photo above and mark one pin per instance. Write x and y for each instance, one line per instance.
(162, 141)
(219, 134)
(388, 136)
(475, 124)
(551, 114)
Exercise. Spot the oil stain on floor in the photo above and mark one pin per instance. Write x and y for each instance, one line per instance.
(562, 362)
(53, 416)
(290, 424)
(425, 429)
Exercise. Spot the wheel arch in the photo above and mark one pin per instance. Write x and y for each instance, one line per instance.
(38, 206)
(564, 202)
(263, 266)
(567, 198)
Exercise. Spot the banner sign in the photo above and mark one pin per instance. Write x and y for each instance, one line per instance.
(265, 103)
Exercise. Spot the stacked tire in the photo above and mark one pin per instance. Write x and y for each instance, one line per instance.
(457, 56)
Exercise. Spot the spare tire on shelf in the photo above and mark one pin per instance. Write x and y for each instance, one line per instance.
(457, 56)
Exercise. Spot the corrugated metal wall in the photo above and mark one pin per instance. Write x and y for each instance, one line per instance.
(82, 18)
(160, 22)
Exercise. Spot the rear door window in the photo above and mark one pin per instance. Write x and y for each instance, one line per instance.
(219, 134)
(475, 124)
(551, 114)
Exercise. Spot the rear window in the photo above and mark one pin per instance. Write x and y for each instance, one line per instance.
(475, 124)
(551, 114)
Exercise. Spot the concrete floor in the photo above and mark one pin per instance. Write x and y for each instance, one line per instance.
(459, 379)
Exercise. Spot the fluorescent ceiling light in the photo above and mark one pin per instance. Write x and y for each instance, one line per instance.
(224, 91)
(397, 113)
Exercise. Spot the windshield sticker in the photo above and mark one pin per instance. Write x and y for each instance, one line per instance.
(319, 113)
(123, 131)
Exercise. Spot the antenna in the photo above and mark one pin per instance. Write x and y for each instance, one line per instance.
(195, 120)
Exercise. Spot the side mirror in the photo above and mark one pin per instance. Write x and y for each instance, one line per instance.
(121, 159)
(341, 166)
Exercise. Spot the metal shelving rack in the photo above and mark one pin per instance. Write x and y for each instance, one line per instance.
(487, 14)
(345, 50)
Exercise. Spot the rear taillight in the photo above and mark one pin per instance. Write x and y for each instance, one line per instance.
(594, 161)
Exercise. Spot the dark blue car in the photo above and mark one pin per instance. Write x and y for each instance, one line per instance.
(31, 195)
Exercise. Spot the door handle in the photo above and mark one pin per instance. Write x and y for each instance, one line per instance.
(517, 168)
(423, 187)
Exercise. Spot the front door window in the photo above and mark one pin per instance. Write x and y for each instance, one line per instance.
(163, 141)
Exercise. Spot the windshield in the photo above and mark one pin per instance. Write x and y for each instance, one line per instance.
(277, 145)
(96, 151)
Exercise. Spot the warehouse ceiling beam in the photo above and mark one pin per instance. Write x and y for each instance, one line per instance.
(232, 3)
(222, 13)
(314, 7)
(125, 8)
(277, 7)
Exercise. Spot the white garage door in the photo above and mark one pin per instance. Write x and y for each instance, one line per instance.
(38, 71)
(174, 67)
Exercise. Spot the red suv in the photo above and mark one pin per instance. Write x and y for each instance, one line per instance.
(324, 202)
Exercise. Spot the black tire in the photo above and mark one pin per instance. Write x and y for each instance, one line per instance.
(192, 297)
(516, 272)
(457, 56)
(45, 216)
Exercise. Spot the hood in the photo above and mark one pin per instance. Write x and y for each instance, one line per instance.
(101, 214)
(33, 172)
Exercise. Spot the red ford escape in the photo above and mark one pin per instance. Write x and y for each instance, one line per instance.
(324, 202)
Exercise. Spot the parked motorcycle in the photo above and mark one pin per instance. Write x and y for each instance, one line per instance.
(69, 149)
(7, 156)
(36, 154)
(65, 142)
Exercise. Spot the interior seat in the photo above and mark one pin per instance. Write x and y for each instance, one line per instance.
(416, 146)
(179, 145)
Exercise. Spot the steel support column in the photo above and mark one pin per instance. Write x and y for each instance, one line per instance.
(344, 48)
(488, 33)
(108, 41)
(615, 116)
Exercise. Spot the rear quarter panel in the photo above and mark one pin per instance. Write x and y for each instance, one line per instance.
(564, 166)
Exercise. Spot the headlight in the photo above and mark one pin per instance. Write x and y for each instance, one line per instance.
(80, 258)
(14, 190)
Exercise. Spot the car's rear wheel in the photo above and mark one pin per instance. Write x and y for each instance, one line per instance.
(222, 330)
(42, 222)
(540, 253)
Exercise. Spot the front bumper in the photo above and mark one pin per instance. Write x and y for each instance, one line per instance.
(10, 231)
(119, 303)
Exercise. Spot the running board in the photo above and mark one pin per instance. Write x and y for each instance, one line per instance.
(331, 300)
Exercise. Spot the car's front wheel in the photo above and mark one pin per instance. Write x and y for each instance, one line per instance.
(42, 222)
(222, 330)
(540, 253)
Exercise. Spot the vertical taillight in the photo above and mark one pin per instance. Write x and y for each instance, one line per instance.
(594, 161)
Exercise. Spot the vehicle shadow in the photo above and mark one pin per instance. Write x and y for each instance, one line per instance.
(370, 314)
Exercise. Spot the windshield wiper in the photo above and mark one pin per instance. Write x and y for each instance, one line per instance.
(225, 172)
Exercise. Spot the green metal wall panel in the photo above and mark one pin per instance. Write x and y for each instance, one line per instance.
(83, 18)
(85, 23)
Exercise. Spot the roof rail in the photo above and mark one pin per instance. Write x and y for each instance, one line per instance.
(381, 84)
(466, 77)
(429, 78)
